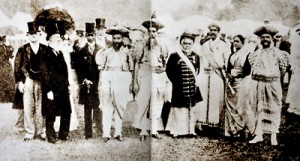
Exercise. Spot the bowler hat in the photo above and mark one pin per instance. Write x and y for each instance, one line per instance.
(153, 23)
(117, 29)
(100, 23)
(89, 28)
(32, 27)
(266, 30)
(51, 28)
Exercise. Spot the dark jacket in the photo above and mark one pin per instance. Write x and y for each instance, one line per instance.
(185, 93)
(54, 78)
(86, 68)
(22, 68)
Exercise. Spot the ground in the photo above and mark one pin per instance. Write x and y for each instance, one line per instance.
(206, 146)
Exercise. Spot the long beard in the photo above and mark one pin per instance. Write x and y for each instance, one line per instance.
(151, 43)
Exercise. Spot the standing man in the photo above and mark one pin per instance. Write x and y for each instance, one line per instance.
(55, 85)
(101, 36)
(268, 64)
(88, 78)
(214, 56)
(116, 66)
(28, 78)
(150, 81)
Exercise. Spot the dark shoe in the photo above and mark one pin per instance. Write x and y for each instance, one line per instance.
(119, 138)
(105, 139)
(65, 139)
(156, 136)
(88, 137)
(40, 137)
(143, 137)
(27, 139)
(52, 141)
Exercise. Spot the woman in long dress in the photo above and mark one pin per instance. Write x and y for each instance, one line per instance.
(182, 68)
(293, 91)
(238, 68)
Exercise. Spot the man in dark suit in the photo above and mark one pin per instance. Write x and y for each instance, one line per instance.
(55, 86)
(27, 75)
(88, 78)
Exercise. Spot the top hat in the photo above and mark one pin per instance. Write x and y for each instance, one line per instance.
(89, 28)
(153, 23)
(100, 23)
(32, 27)
(52, 28)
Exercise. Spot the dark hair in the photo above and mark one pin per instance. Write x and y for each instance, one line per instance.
(241, 38)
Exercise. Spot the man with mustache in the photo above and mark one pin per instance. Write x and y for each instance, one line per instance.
(150, 81)
(88, 78)
(214, 56)
(268, 63)
(116, 65)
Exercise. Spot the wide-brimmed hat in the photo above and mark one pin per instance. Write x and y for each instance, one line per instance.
(89, 28)
(52, 28)
(214, 25)
(100, 23)
(153, 23)
(117, 29)
(266, 30)
(32, 27)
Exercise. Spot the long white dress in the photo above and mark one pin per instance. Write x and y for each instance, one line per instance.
(293, 91)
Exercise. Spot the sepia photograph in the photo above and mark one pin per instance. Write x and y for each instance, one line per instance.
(149, 80)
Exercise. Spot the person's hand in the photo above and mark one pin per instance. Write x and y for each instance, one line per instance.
(87, 82)
(159, 70)
(136, 88)
(21, 87)
(50, 95)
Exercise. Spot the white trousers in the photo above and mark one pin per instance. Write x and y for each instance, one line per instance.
(115, 94)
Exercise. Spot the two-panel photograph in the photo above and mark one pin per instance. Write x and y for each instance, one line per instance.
(149, 80)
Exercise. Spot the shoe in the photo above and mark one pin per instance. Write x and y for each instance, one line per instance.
(256, 140)
(65, 139)
(40, 137)
(119, 138)
(156, 136)
(27, 139)
(143, 137)
(88, 137)
(52, 141)
(105, 139)
(175, 136)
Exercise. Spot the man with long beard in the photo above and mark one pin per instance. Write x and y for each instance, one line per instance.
(268, 64)
(115, 64)
(150, 82)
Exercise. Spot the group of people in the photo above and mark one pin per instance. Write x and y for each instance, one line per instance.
(235, 86)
